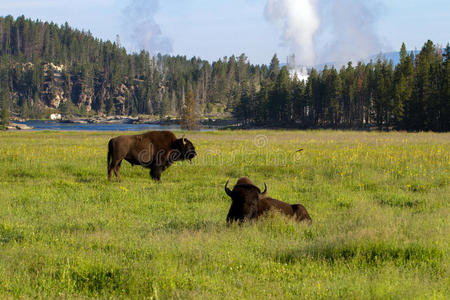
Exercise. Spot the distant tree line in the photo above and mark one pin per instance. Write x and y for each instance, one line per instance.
(45, 66)
(101, 77)
(413, 95)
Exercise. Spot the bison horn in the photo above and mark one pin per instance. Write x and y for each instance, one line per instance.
(227, 190)
(265, 189)
(183, 139)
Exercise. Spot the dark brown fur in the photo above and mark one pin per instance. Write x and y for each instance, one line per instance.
(243, 205)
(244, 180)
(248, 202)
(297, 211)
(155, 150)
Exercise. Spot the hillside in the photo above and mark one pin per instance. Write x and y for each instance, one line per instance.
(49, 67)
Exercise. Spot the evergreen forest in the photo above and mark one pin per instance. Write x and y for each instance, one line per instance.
(45, 67)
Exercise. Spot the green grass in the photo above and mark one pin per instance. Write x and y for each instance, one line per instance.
(379, 203)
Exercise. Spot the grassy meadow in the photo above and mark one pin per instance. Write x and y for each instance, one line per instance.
(379, 203)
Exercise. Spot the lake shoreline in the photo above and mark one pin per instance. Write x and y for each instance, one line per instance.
(91, 125)
(18, 123)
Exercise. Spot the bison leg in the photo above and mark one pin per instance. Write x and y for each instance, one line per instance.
(155, 173)
(117, 169)
(111, 167)
(109, 172)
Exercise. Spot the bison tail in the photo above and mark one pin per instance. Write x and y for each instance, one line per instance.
(110, 150)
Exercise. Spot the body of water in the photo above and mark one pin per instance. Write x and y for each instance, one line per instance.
(56, 125)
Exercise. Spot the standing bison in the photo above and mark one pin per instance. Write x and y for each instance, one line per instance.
(248, 202)
(155, 150)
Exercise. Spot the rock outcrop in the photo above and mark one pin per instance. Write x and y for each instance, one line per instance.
(14, 126)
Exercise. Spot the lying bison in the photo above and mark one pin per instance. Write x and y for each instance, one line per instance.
(244, 200)
(248, 202)
(155, 150)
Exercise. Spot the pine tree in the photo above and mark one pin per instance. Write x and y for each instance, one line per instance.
(445, 92)
(274, 68)
(421, 107)
(403, 85)
(280, 102)
(332, 98)
(189, 119)
(298, 99)
(165, 106)
(5, 105)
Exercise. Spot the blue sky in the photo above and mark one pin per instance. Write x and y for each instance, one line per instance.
(214, 29)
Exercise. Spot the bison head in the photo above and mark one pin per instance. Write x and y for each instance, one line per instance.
(245, 197)
(184, 149)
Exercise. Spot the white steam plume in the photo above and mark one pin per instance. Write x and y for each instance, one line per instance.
(300, 23)
(144, 32)
(327, 31)
(351, 23)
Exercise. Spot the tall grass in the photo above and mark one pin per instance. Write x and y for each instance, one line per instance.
(379, 203)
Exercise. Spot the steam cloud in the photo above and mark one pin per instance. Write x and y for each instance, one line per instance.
(144, 31)
(301, 23)
(324, 31)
